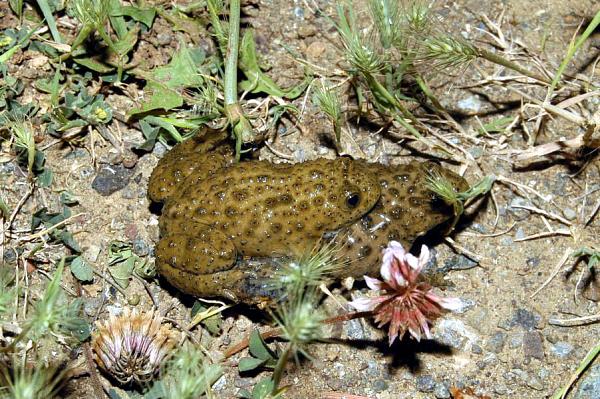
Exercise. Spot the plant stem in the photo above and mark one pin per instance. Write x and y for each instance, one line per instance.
(276, 332)
(242, 129)
(496, 59)
(279, 368)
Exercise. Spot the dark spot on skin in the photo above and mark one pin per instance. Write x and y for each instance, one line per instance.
(396, 213)
(318, 201)
(365, 250)
(230, 211)
(276, 227)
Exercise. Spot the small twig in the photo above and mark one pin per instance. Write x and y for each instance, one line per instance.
(22, 201)
(148, 289)
(276, 332)
(462, 250)
(543, 212)
(41, 233)
(561, 232)
(577, 321)
(492, 234)
(594, 212)
(560, 263)
(505, 180)
(111, 282)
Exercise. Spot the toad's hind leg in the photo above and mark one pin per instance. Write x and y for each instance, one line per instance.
(199, 264)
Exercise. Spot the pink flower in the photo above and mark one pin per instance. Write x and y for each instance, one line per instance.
(405, 302)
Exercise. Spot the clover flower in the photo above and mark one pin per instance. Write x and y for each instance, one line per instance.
(132, 346)
(406, 302)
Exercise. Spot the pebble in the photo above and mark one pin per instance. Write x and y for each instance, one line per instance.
(159, 149)
(140, 247)
(518, 213)
(111, 178)
(441, 391)
(455, 333)
(470, 105)
(380, 385)
(569, 213)
(589, 387)
(520, 234)
(525, 319)
(533, 346)
(458, 262)
(496, 343)
(315, 50)
(562, 349)
(425, 383)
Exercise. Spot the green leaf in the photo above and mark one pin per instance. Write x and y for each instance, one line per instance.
(212, 323)
(497, 125)
(158, 96)
(250, 363)
(263, 389)
(68, 198)
(126, 43)
(96, 66)
(44, 179)
(4, 211)
(165, 82)
(258, 347)
(82, 270)
(122, 272)
(257, 81)
(66, 237)
(143, 15)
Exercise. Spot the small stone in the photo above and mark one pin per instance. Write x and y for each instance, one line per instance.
(589, 388)
(496, 343)
(476, 349)
(164, 38)
(459, 262)
(533, 346)
(441, 391)
(111, 178)
(569, 213)
(425, 383)
(520, 234)
(299, 12)
(470, 105)
(315, 50)
(454, 333)
(305, 31)
(519, 213)
(516, 340)
(525, 319)
(476, 152)
(140, 247)
(380, 385)
(562, 349)
(159, 150)
(533, 261)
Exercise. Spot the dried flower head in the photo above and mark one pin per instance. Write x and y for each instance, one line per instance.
(406, 303)
(132, 346)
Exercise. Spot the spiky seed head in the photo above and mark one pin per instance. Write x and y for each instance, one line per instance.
(448, 52)
(132, 346)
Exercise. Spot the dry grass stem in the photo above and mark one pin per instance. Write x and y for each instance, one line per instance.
(543, 212)
(560, 264)
(559, 232)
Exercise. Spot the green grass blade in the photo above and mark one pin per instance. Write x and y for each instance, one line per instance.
(573, 47)
(47, 12)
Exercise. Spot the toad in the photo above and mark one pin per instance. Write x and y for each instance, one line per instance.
(217, 214)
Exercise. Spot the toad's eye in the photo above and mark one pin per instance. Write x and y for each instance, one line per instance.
(352, 200)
